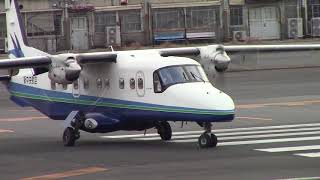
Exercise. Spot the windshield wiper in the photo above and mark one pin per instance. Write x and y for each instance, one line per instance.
(197, 77)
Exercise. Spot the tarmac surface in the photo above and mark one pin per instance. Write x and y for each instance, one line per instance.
(275, 136)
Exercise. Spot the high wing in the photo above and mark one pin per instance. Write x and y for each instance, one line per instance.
(268, 48)
(46, 61)
(28, 62)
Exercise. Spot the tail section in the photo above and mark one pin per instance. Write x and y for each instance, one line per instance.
(17, 40)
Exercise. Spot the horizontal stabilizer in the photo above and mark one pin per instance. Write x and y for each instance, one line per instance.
(28, 62)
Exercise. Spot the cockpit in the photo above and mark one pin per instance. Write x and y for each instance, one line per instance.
(172, 75)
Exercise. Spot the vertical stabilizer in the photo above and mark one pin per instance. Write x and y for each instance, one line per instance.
(17, 40)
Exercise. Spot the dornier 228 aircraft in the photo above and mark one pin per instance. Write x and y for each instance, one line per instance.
(125, 90)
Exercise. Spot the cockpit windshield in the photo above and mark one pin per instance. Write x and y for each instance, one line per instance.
(168, 76)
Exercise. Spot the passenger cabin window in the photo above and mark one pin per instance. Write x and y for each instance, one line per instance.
(85, 83)
(99, 83)
(75, 85)
(132, 83)
(64, 86)
(121, 83)
(107, 83)
(140, 83)
(171, 75)
(53, 85)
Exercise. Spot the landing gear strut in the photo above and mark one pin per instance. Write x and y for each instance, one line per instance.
(164, 130)
(207, 139)
(71, 132)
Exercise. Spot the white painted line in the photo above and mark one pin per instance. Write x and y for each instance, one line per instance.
(5, 131)
(231, 134)
(255, 136)
(317, 154)
(263, 141)
(218, 130)
(289, 149)
(303, 178)
(269, 135)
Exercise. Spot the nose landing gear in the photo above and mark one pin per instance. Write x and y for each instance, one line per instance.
(207, 139)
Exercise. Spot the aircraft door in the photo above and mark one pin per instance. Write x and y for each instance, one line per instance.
(141, 83)
(76, 89)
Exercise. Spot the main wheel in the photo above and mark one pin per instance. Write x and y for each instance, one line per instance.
(165, 131)
(214, 140)
(69, 137)
(204, 140)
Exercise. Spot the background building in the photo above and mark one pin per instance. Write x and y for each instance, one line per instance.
(55, 25)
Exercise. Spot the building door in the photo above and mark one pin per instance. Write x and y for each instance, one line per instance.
(79, 33)
(264, 23)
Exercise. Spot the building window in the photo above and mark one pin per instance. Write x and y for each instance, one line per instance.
(236, 16)
(167, 19)
(132, 83)
(201, 17)
(46, 23)
(103, 20)
(131, 21)
(121, 83)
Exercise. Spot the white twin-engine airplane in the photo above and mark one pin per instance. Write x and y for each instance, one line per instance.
(121, 90)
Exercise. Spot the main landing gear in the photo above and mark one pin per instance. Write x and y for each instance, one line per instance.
(207, 139)
(71, 133)
(164, 130)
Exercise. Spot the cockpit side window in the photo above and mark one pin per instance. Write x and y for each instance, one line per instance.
(156, 83)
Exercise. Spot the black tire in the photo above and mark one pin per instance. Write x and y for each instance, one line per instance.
(214, 140)
(165, 131)
(68, 137)
(204, 140)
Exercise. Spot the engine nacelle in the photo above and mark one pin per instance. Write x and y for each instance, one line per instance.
(215, 55)
(64, 71)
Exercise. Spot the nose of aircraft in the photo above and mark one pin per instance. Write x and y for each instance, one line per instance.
(202, 96)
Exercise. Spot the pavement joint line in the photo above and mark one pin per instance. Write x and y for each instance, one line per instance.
(78, 172)
(22, 119)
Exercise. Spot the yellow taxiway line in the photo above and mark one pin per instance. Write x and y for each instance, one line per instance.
(78, 172)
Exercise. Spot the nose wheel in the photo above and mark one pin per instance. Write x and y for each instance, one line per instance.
(207, 139)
